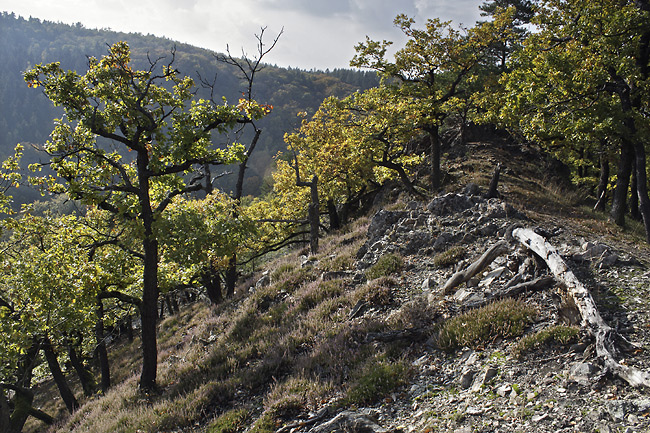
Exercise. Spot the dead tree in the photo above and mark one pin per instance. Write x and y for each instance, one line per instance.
(466, 274)
(591, 320)
(248, 67)
(494, 183)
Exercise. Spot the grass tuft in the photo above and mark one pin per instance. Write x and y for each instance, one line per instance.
(229, 422)
(387, 264)
(449, 257)
(559, 334)
(376, 379)
(476, 328)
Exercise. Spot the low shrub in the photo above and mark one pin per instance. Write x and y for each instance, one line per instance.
(376, 379)
(386, 265)
(559, 334)
(449, 257)
(476, 328)
(229, 422)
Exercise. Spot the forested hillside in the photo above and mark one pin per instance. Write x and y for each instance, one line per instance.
(422, 248)
(26, 116)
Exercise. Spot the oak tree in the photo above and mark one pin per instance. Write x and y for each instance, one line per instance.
(156, 138)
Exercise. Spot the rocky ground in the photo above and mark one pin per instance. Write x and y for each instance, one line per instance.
(488, 389)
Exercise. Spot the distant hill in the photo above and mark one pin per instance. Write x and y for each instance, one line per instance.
(26, 115)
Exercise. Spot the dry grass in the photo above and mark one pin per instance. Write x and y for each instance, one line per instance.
(264, 357)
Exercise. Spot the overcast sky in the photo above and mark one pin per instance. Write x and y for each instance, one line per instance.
(318, 34)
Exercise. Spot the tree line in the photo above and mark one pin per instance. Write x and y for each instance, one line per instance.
(569, 76)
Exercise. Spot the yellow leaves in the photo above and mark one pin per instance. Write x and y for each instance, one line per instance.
(253, 109)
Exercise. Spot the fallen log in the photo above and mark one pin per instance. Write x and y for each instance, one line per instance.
(511, 291)
(466, 274)
(604, 334)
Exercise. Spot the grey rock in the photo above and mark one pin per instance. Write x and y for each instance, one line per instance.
(486, 375)
(349, 422)
(620, 409)
(415, 241)
(428, 283)
(582, 372)
(504, 390)
(450, 204)
(264, 280)
(443, 240)
(472, 189)
(466, 378)
(382, 221)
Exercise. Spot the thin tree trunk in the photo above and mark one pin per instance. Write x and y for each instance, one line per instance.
(231, 276)
(53, 363)
(23, 396)
(619, 199)
(102, 353)
(434, 138)
(5, 413)
(129, 328)
(635, 212)
(149, 315)
(85, 376)
(602, 182)
(212, 282)
(314, 215)
(642, 186)
(335, 221)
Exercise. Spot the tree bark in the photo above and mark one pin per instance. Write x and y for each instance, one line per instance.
(335, 221)
(494, 183)
(5, 413)
(591, 319)
(150, 290)
(434, 142)
(466, 274)
(642, 186)
(24, 397)
(635, 212)
(59, 378)
(149, 315)
(100, 350)
(212, 282)
(603, 181)
(231, 276)
(314, 215)
(85, 376)
(619, 200)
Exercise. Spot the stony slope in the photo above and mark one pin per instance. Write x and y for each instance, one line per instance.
(316, 344)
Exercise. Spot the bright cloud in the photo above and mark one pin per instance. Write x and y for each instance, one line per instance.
(317, 34)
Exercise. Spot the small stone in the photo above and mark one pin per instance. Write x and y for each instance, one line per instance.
(503, 390)
(581, 372)
(471, 359)
(538, 418)
(466, 378)
(428, 283)
(487, 374)
(473, 410)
